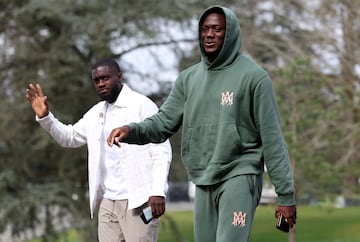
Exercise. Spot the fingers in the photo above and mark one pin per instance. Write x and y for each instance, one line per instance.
(289, 212)
(39, 90)
(117, 135)
(291, 221)
(113, 138)
(38, 101)
(30, 93)
(157, 204)
(117, 141)
(33, 92)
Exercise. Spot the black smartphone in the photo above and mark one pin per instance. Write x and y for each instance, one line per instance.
(282, 224)
(146, 215)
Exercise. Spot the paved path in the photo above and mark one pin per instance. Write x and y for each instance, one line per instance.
(178, 206)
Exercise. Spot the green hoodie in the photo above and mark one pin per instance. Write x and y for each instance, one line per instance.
(229, 117)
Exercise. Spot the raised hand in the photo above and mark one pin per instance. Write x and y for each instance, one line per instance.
(36, 98)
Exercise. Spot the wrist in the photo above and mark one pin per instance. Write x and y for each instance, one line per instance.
(42, 115)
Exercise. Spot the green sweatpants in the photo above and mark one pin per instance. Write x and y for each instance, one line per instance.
(224, 212)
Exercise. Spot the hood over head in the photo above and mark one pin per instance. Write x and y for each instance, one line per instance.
(232, 40)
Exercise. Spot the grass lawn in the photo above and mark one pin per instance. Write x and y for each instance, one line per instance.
(315, 224)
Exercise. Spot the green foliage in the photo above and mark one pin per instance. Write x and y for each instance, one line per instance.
(54, 43)
(316, 141)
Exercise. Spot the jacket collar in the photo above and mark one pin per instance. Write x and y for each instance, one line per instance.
(124, 98)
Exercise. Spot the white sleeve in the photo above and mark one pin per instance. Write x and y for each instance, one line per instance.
(66, 135)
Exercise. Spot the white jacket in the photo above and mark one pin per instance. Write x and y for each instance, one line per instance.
(146, 166)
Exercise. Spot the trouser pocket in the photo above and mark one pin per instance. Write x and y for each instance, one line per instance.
(255, 186)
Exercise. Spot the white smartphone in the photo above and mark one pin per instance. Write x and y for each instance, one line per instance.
(146, 215)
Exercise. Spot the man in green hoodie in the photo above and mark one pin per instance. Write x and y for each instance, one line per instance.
(230, 129)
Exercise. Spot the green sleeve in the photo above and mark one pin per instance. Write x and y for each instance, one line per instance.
(165, 123)
(275, 152)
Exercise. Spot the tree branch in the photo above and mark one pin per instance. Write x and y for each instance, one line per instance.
(144, 45)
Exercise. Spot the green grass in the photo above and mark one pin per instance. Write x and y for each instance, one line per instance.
(184, 231)
(70, 236)
(315, 224)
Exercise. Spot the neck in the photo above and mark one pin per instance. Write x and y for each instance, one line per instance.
(211, 58)
(115, 94)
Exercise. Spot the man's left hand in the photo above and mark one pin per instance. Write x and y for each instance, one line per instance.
(289, 212)
(157, 204)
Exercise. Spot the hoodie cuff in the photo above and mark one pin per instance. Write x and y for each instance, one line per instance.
(286, 200)
(132, 137)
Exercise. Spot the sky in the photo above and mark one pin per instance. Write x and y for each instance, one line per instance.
(155, 62)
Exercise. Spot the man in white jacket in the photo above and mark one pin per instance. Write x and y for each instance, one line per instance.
(124, 181)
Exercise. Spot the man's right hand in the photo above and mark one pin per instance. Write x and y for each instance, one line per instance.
(37, 99)
(117, 135)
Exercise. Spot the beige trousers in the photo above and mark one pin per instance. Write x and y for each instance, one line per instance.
(118, 224)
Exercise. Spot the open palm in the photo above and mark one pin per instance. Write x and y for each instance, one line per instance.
(37, 99)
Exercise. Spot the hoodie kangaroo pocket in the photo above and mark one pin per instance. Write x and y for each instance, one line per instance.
(210, 143)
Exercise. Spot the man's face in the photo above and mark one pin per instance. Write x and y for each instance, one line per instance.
(107, 82)
(212, 34)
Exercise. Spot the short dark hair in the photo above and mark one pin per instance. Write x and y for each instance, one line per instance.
(107, 62)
